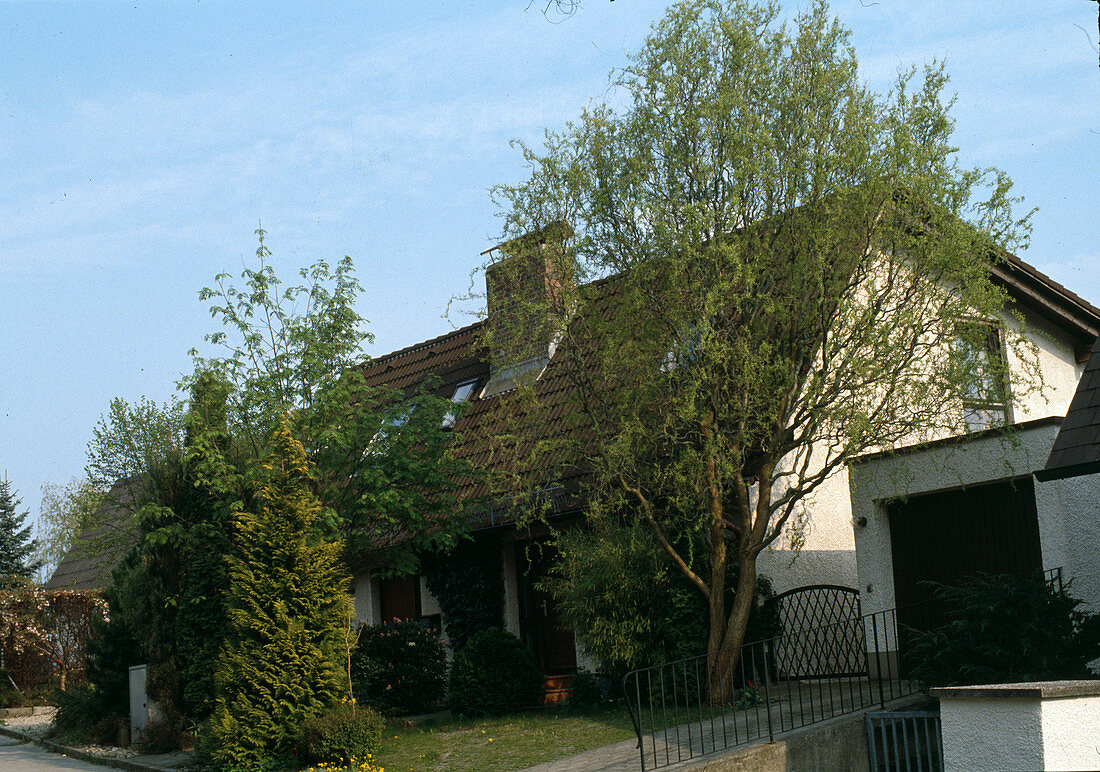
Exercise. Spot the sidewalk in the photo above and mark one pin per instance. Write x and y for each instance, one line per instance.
(30, 729)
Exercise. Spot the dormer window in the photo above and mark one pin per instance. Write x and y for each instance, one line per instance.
(985, 388)
(463, 392)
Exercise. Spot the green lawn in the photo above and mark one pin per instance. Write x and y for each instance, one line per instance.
(502, 744)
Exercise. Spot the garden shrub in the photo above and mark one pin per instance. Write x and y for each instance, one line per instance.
(1004, 629)
(343, 732)
(82, 714)
(631, 606)
(585, 691)
(493, 673)
(399, 666)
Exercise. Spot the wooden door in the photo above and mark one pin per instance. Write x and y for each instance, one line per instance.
(399, 599)
(542, 630)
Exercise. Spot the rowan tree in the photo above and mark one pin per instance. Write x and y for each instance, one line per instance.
(788, 261)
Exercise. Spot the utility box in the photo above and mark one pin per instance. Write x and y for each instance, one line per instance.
(143, 711)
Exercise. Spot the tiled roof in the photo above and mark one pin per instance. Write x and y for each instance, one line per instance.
(1076, 449)
(481, 431)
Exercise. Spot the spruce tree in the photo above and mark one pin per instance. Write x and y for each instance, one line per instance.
(287, 606)
(16, 544)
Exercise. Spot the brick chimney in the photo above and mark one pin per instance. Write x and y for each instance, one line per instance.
(527, 294)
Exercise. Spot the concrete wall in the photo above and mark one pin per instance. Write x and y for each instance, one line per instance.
(837, 744)
(1015, 727)
(991, 734)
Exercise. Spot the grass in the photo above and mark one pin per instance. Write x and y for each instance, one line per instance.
(502, 744)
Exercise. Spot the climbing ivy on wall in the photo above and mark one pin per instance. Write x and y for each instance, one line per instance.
(467, 583)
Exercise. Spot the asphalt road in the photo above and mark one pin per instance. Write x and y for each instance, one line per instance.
(17, 756)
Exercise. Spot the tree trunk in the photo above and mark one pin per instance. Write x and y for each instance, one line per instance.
(724, 656)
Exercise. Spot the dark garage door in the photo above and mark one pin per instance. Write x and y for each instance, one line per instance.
(944, 537)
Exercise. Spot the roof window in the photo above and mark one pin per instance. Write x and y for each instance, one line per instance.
(463, 392)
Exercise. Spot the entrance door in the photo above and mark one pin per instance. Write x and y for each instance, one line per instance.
(550, 640)
(943, 537)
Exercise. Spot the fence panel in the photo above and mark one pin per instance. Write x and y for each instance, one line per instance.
(905, 741)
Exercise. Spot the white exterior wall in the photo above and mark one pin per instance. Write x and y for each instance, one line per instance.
(991, 735)
(1068, 510)
(1018, 727)
(829, 553)
(365, 590)
(1071, 728)
(1074, 540)
(1057, 362)
(510, 580)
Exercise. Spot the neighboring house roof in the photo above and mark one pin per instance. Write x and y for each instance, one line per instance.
(1076, 449)
(99, 547)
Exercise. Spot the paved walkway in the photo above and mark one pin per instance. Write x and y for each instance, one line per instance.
(22, 756)
(796, 706)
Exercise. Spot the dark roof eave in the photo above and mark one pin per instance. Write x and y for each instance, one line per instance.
(1034, 289)
(1072, 470)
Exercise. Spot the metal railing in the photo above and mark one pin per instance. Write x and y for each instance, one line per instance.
(699, 705)
(905, 741)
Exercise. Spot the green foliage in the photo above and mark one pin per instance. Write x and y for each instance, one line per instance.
(585, 690)
(493, 673)
(80, 715)
(64, 511)
(467, 583)
(112, 649)
(631, 606)
(399, 666)
(17, 548)
(296, 351)
(791, 257)
(1005, 629)
(287, 606)
(342, 732)
(179, 473)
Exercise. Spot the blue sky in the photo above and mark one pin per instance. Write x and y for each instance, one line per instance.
(141, 143)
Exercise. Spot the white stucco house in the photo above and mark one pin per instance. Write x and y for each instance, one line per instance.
(971, 500)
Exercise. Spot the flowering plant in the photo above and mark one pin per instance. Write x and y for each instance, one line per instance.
(54, 624)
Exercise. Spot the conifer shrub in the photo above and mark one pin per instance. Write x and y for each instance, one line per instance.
(287, 607)
(399, 666)
(493, 673)
(1005, 629)
(342, 732)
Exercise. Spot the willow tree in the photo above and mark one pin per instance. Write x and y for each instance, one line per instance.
(788, 260)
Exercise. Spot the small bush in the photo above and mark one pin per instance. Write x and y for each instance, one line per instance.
(343, 732)
(493, 673)
(399, 666)
(1005, 629)
(585, 691)
(80, 714)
